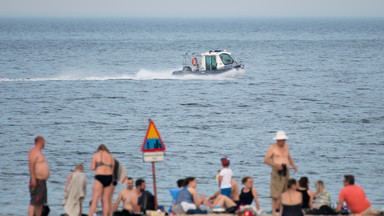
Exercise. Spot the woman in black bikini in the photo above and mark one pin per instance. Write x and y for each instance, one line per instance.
(291, 200)
(103, 163)
(248, 193)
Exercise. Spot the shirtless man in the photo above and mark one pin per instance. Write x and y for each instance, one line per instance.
(131, 202)
(123, 194)
(279, 158)
(39, 173)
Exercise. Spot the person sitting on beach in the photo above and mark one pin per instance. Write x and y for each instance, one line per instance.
(234, 193)
(75, 189)
(291, 200)
(187, 200)
(123, 194)
(103, 164)
(307, 194)
(225, 178)
(146, 199)
(321, 197)
(355, 198)
(174, 192)
(223, 202)
(248, 193)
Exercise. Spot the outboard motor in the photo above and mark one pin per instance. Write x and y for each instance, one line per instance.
(187, 69)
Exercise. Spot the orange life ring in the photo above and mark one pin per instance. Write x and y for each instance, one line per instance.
(194, 62)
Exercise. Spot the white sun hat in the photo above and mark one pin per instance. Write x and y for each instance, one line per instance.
(280, 135)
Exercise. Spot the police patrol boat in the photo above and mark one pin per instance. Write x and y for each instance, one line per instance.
(212, 62)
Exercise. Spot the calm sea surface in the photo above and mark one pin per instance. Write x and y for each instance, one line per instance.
(84, 82)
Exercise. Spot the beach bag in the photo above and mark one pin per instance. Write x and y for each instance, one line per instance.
(148, 201)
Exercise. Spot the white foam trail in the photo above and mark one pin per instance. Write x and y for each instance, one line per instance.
(143, 74)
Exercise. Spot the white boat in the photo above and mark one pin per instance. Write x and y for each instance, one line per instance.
(212, 62)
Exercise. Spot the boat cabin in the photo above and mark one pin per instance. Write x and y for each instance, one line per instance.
(216, 60)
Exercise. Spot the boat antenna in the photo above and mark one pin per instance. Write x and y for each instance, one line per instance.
(185, 59)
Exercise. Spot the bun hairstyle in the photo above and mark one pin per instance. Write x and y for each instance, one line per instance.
(291, 182)
(245, 179)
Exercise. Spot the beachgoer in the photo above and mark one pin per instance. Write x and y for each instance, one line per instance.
(291, 200)
(174, 192)
(119, 175)
(234, 193)
(75, 189)
(224, 202)
(307, 194)
(146, 200)
(225, 178)
(103, 163)
(321, 196)
(123, 194)
(230, 204)
(279, 158)
(355, 198)
(187, 198)
(39, 173)
(248, 193)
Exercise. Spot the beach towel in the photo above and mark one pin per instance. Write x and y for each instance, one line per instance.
(76, 193)
(122, 175)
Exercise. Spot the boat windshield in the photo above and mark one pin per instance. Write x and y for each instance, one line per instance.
(226, 59)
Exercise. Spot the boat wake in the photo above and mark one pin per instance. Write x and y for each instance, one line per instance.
(143, 74)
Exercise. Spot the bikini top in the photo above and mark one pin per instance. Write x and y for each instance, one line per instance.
(101, 163)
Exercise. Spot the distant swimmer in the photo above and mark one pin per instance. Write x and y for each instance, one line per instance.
(279, 158)
(39, 173)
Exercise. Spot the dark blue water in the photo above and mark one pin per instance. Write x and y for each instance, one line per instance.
(83, 82)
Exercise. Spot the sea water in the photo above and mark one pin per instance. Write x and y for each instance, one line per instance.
(85, 82)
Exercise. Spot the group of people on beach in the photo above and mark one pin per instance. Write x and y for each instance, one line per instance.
(288, 197)
(292, 199)
(108, 172)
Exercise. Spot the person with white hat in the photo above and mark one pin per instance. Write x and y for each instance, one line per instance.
(279, 158)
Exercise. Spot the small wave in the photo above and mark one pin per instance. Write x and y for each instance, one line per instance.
(143, 74)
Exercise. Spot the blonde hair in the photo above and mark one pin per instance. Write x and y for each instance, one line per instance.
(320, 187)
(79, 166)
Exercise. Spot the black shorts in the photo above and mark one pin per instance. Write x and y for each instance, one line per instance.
(39, 193)
(105, 180)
